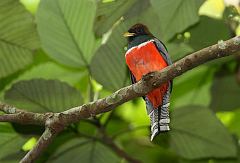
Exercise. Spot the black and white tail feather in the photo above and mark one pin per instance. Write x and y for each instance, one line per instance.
(159, 117)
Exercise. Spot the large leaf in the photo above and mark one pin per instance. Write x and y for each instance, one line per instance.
(40, 95)
(54, 71)
(196, 133)
(10, 144)
(66, 30)
(108, 65)
(13, 58)
(18, 37)
(50, 70)
(225, 91)
(109, 12)
(176, 16)
(82, 150)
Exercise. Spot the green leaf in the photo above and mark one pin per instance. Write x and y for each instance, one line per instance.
(197, 133)
(108, 13)
(51, 70)
(176, 16)
(18, 37)
(108, 65)
(10, 143)
(201, 38)
(82, 150)
(225, 91)
(66, 30)
(13, 58)
(40, 95)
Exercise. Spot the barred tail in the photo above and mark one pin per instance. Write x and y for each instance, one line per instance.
(159, 117)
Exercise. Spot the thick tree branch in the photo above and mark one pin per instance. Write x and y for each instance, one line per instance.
(55, 122)
(152, 80)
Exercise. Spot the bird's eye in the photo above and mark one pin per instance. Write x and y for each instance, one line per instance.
(139, 30)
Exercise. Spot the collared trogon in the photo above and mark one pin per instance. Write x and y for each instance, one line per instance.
(147, 54)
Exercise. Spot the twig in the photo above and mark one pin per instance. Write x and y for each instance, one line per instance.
(8, 109)
(24, 118)
(16, 115)
(108, 118)
(121, 153)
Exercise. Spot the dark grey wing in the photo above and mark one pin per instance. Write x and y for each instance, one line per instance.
(163, 50)
(133, 79)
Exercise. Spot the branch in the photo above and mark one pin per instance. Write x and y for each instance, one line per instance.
(55, 122)
(8, 109)
(152, 81)
(16, 115)
(42, 144)
(53, 127)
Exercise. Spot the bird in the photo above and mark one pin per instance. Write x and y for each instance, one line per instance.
(145, 53)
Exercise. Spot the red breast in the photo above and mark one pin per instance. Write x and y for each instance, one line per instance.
(143, 59)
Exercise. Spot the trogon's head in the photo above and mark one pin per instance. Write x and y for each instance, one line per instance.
(137, 30)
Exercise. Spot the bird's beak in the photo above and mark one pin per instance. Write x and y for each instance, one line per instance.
(128, 34)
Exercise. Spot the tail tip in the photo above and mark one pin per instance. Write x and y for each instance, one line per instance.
(156, 131)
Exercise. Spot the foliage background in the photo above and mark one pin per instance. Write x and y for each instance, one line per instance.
(56, 54)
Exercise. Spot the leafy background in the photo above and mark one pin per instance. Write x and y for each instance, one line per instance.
(56, 54)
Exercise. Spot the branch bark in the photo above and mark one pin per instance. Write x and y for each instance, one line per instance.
(53, 127)
(16, 115)
(55, 122)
